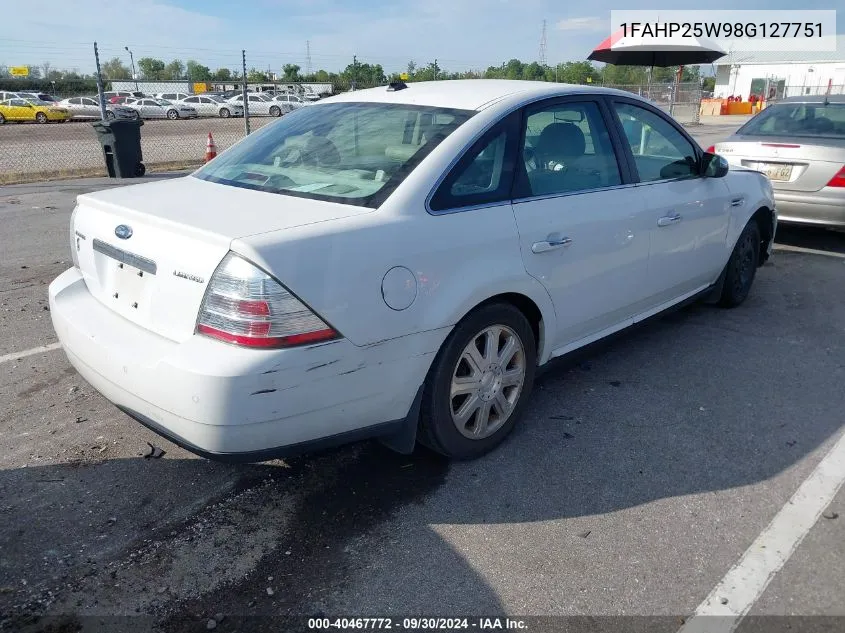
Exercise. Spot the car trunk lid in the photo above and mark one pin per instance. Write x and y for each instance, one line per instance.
(148, 251)
(791, 163)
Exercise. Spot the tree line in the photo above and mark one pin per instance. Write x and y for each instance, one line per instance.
(363, 74)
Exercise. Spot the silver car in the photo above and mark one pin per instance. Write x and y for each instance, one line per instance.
(799, 143)
(213, 106)
(160, 109)
(88, 108)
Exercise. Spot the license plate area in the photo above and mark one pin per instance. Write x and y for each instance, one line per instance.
(776, 171)
(126, 276)
(128, 285)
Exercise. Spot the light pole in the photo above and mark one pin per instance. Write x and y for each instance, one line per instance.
(132, 59)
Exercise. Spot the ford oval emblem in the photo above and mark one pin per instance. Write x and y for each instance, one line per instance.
(123, 232)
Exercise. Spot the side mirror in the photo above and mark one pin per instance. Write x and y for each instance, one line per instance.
(714, 166)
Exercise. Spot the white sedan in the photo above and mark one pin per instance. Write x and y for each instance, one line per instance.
(260, 104)
(149, 108)
(206, 105)
(396, 263)
(293, 102)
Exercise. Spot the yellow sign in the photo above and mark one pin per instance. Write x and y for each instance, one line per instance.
(403, 76)
(589, 80)
(200, 88)
(19, 71)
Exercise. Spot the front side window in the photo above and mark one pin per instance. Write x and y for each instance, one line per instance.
(353, 153)
(567, 149)
(89, 102)
(661, 151)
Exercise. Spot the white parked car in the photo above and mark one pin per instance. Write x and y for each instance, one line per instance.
(293, 102)
(260, 104)
(149, 108)
(88, 108)
(397, 264)
(213, 106)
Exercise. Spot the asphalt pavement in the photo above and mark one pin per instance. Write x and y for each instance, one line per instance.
(645, 468)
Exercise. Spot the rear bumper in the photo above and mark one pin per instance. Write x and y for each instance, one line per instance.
(237, 404)
(824, 207)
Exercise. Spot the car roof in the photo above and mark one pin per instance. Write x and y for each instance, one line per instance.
(468, 94)
(811, 99)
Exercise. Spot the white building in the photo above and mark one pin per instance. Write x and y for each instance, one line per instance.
(781, 74)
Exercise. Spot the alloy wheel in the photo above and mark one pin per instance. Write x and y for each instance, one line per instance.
(487, 381)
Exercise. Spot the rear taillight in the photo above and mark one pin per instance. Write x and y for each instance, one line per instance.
(711, 149)
(246, 306)
(838, 180)
(74, 238)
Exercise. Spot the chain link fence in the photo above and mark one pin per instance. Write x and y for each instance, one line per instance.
(30, 152)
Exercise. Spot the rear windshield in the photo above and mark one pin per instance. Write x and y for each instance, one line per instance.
(798, 119)
(352, 153)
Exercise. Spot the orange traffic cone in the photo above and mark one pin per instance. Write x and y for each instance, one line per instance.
(210, 148)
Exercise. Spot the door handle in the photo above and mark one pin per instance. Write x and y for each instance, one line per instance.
(550, 244)
(737, 202)
(670, 219)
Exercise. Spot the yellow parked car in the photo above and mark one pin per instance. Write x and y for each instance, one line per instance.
(24, 110)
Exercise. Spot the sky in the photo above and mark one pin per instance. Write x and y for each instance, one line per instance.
(459, 34)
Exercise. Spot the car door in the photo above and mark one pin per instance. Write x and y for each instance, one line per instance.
(196, 102)
(688, 213)
(89, 107)
(583, 225)
(20, 110)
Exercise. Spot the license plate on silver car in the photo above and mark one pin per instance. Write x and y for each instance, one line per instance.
(776, 171)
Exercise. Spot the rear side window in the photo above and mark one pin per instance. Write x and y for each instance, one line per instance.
(798, 119)
(484, 175)
(567, 149)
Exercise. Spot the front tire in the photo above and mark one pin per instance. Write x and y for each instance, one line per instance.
(742, 267)
(224, 113)
(110, 115)
(479, 382)
(2, 119)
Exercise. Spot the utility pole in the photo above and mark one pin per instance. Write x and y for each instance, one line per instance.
(132, 60)
(435, 70)
(100, 96)
(246, 101)
(354, 70)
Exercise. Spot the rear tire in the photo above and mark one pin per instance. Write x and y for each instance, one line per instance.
(140, 170)
(275, 111)
(40, 117)
(479, 382)
(742, 267)
(172, 115)
(2, 119)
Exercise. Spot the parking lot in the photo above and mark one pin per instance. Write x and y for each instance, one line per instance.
(643, 470)
(31, 152)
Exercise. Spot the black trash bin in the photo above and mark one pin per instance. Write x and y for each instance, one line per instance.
(121, 141)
